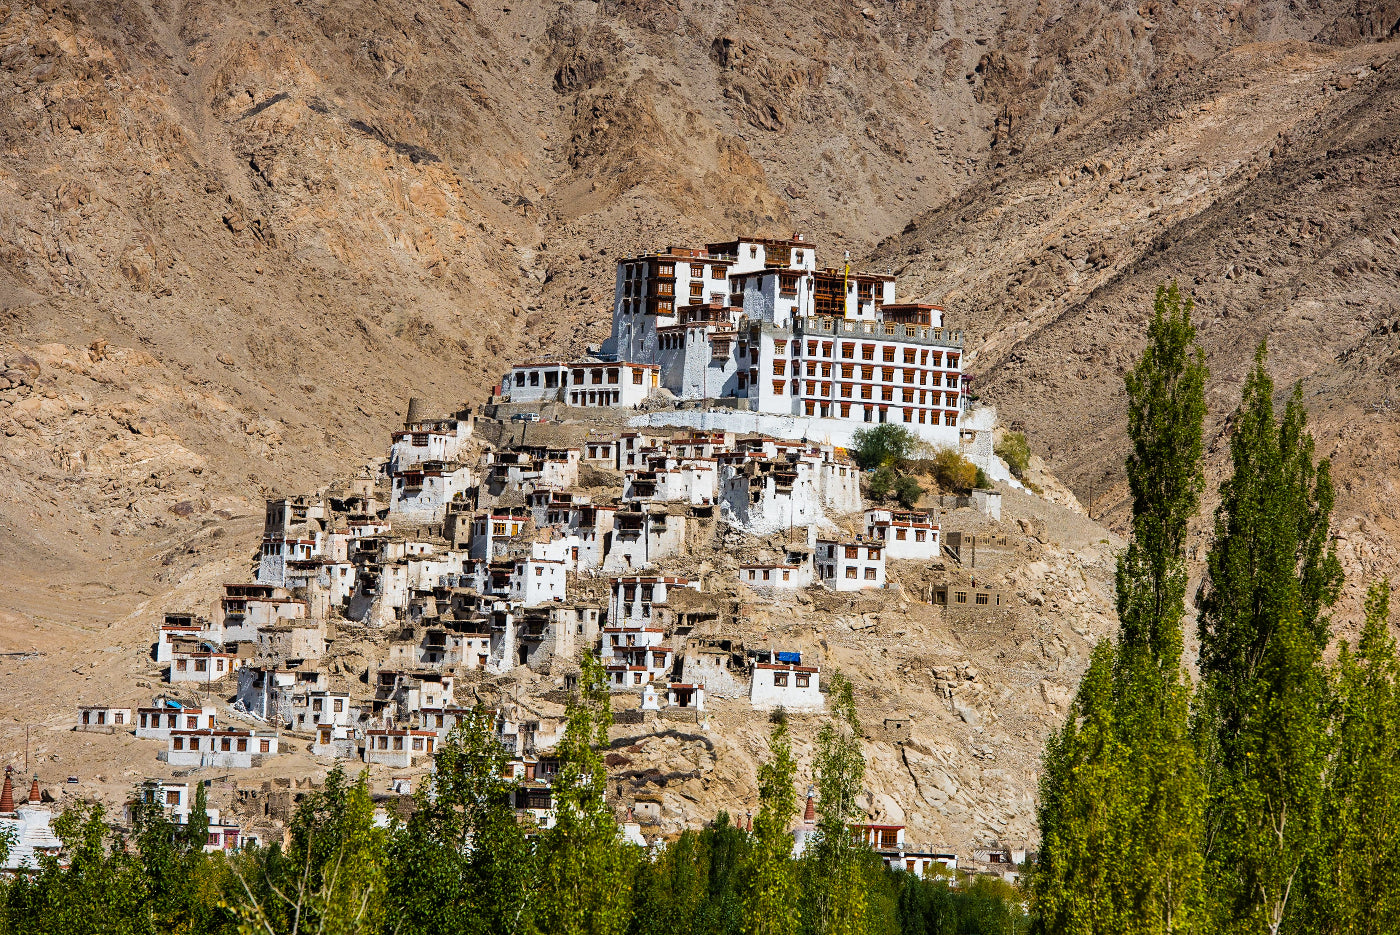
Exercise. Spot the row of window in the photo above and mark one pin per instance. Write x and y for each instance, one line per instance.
(222, 744)
(853, 573)
(871, 373)
(846, 391)
(803, 679)
(874, 413)
(753, 572)
(200, 665)
(889, 353)
(382, 743)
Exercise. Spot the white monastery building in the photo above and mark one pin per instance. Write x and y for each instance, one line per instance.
(755, 324)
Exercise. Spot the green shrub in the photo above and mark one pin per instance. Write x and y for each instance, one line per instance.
(908, 491)
(880, 445)
(1015, 451)
(952, 470)
(983, 482)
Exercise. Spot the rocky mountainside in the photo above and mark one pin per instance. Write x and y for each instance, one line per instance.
(234, 236)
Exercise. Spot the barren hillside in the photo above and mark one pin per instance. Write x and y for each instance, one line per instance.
(235, 236)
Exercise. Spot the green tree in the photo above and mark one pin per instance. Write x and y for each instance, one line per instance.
(196, 832)
(332, 879)
(836, 887)
(462, 863)
(1120, 813)
(770, 891)
(887, 444)
(1260, 718)
(907, 491)
(584, 879)
(1015, 450)
(1354, 888)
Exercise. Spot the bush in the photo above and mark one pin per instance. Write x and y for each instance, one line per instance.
(952, 470)
(882, 445)
(882, 482)
(1015, 451)
(907, 491)
(983, 481)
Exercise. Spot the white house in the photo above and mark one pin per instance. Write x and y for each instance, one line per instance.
(103, 718)
(157, 723)
(399, 748)
(906, 534)
(786, 685)
(421, 493)
(537, 581)
(221, 749)
(850, 564)
(202, 668)
(776, 575)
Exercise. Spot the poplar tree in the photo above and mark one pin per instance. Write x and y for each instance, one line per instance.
(1121, 788)
(769, 886)
(835, 873)
(196, 831)
(1353, 888)
(461, 863)
(584, 871)
(1261, 714)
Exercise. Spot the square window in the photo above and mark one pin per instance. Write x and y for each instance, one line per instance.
(780, 679)
(870, 575)
(264, 746)
(803, 680)
(851, 572)
(242, 744)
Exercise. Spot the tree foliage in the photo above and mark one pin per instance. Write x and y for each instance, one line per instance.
(770, 888)
(1015, 451)
(885, 445)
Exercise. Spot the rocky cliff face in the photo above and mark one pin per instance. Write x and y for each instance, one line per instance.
(235, 236)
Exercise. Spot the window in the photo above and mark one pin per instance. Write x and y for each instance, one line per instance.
(888, 837)
(242, 744)
(786, 575)
(826, 371)
(889, 355)
(803, 680)
(787, 284)
(226, 744)
(172, 797)
(778, 387)
(811, 348)
(779, 367)
(867, 352)
(636, 376)
(119, 718)
(418, 743)
(867, 373)
(339, 705)
(264, 746)
(852, 551)
(826, 348)
(612, 374)
(920, 535)
(950, 418)
(960, 597)
(398, 743)
(848, 350)
(846, 392)
(899, 533)
(847, 371)
(851, 572)
(871, 575)
(865, 394)
(887, 374)
(201, 665)
(780, 347)
(908, 355)
(697, 290)
(908, 398)
(845, 414)
(520, 378)
(886, 395)
(810, 408)
(780, 679)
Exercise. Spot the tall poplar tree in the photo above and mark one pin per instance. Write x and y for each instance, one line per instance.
(584, 871)
(769, 888)
(1121, 790)
(836, 887)
(1261, 714)
(1353, 886)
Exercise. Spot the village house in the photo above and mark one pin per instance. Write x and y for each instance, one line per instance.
(103, 718)
(176, 800)
(313, 709)
(421, 493)
(718, 665)
(156, 723)
(787, 685)
(202, 668)
(850, 564)
(777, 575)
(906, 534)
(185, 631)
(398, 748)
(220, 749)
(423, 439)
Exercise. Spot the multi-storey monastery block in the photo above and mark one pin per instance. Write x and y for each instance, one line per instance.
(755, 324)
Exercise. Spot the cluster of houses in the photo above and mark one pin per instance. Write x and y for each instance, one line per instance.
(457, 559)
